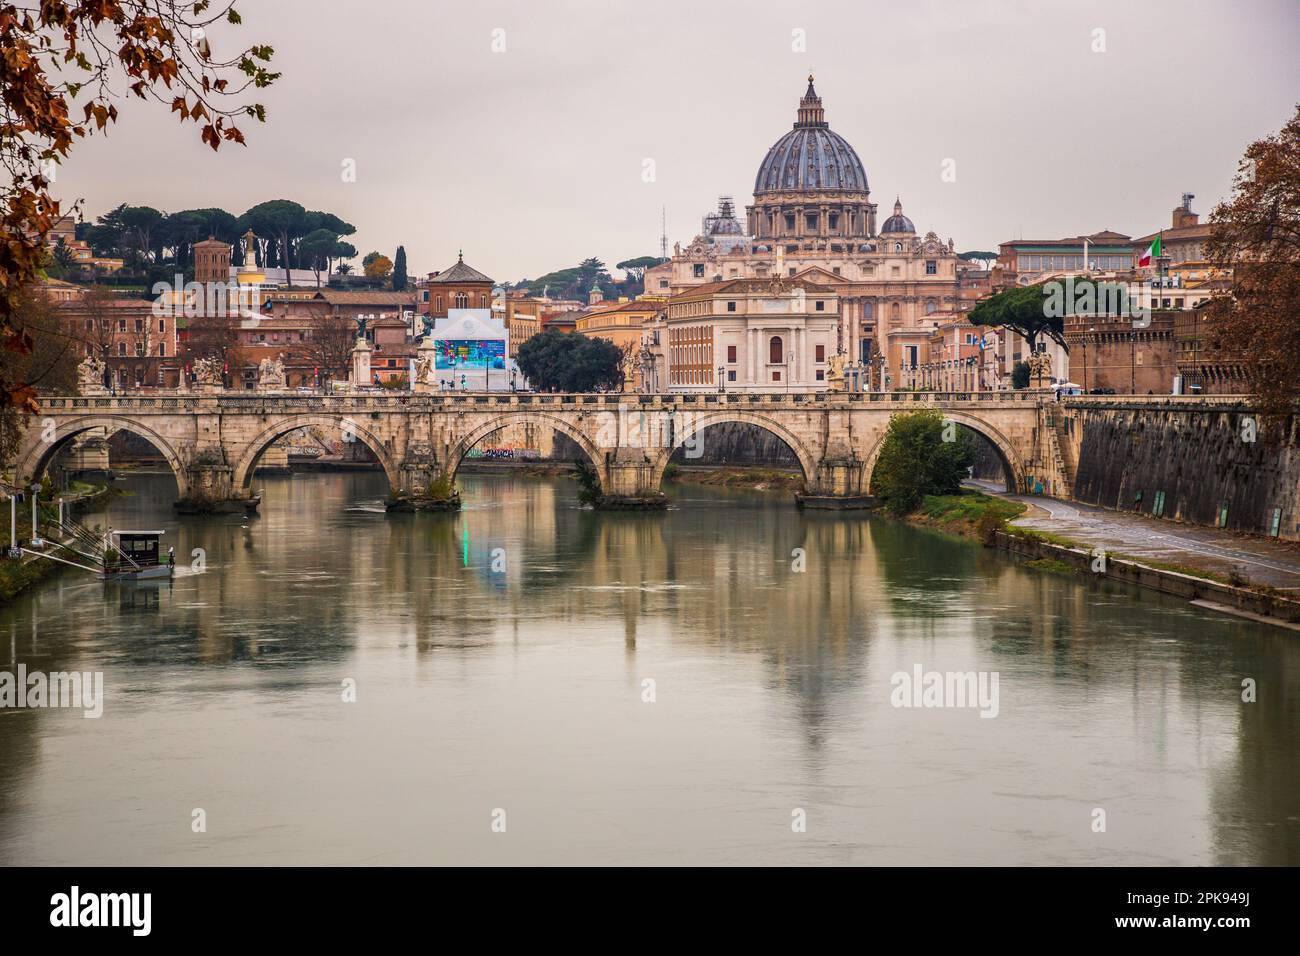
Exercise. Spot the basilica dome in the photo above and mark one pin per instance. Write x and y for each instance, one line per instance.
(898, 222)
(811, 158)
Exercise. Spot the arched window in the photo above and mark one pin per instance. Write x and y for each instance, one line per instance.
(462, 301)
(895, 313)
(774, 353)
(930, 306)
(866, 310)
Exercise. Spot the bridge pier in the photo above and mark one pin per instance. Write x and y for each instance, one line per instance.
(211, 491)
(630, 483)
(836, 486)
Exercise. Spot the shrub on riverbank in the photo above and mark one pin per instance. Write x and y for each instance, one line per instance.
(921, 455)
(969, 513)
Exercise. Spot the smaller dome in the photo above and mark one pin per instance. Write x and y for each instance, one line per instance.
(898, 222)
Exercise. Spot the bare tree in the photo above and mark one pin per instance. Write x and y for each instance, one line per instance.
(329, 340)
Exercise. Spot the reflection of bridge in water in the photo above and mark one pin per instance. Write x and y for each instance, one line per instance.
(214, 442)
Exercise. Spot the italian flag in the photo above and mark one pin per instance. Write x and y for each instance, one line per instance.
(1153, 252)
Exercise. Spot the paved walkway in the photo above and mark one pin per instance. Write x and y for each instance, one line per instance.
(1259, 560)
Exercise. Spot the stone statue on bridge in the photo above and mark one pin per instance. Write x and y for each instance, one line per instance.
(424, 369)
(270, 373)
(207, 373)
(1040, 369)
(90, 376)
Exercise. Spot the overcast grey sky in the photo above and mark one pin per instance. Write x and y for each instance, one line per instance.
(532, 158)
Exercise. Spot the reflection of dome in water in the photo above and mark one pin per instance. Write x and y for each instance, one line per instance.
(811, 157)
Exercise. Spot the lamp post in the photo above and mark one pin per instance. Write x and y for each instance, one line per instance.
(722, 384)
(1085, 359)
(1132, 361)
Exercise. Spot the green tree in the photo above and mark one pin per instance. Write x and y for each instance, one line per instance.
(399, 270)
(1020, 375)
(635, 268)
(1023, 310)
(182, 229)
(133, 233)
(318, 249)
(922, 455)
(978, 255)
(279, 221)
(567, 362)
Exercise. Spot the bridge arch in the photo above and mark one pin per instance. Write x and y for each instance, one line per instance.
(694, 423)
(1011, 462)
(559, 424)
(36, 453)
(242, 475)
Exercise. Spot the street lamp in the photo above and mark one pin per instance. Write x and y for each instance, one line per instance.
(722, 384)
(1085, 361)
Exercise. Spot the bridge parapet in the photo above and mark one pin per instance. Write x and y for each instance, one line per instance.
(215, 441)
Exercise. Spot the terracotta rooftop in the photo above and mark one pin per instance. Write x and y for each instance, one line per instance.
(370, 297)
(460, 273)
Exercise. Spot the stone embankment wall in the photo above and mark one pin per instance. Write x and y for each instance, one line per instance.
(1210, 462)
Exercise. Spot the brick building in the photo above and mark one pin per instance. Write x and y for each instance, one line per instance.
(460, 287)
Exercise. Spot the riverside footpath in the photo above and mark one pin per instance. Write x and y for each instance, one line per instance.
(1223, 554)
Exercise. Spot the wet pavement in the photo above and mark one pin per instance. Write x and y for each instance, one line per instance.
(1258, 560)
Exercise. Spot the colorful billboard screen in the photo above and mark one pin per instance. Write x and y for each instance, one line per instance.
(471, 353)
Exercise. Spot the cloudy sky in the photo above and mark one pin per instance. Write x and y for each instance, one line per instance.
(524, 132)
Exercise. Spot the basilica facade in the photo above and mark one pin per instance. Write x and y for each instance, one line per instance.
(813, 219)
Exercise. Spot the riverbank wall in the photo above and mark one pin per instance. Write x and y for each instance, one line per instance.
(1205, 461)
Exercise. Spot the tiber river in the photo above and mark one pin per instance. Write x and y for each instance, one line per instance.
(642, 689)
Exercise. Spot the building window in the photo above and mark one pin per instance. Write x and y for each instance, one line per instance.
(931, 267)
(698, 269)
(836, 270)
(139, 350)
(162, 325)
(776, 376)
(821, 353)
(834, 221)
(820, 306)
(731, 307)
(121, 325)
(121, 348)
(821, 375)
(811, 220)
(462, 301)
(731, 375)
(774, 350)
(731, 353)
(663, 283)
(439, 303)
(792, 270)
(789, 222)
(425, 296)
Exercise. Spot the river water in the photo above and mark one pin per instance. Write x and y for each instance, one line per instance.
(536, 683)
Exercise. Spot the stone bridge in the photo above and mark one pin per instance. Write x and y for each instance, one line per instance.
(213, 442)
